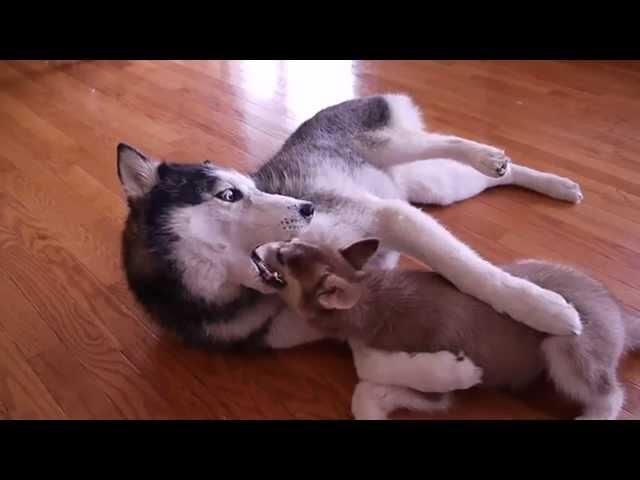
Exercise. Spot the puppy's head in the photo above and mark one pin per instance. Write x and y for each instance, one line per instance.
(313, 279)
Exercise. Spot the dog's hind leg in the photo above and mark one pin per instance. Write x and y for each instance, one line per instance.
(374, 401)
(403, 139)
(442, 182)
(388, 130)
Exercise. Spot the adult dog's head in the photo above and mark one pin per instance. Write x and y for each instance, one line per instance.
(199, 223)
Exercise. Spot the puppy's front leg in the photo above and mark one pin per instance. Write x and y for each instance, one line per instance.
(438, 372)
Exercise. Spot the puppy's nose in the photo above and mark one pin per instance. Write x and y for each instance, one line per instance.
(306, 210)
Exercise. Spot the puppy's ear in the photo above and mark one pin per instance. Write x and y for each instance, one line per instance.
(358, 253)
(338, 294)
(138, 174)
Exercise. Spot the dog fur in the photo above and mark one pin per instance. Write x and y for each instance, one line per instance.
(186, 249)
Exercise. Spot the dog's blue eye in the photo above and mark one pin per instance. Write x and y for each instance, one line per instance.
(230, 195)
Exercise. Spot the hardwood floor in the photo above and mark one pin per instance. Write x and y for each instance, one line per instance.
(74, 344)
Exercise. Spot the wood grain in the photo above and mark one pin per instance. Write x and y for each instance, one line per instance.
(74, 343)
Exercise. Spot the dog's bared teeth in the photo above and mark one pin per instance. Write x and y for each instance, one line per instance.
(272, 278)
(278, 278)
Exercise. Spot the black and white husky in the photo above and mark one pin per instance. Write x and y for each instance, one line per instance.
(348, 172)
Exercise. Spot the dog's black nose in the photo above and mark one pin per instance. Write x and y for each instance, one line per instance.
(306, 210)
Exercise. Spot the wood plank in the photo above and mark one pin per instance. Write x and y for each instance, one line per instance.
(22, 394)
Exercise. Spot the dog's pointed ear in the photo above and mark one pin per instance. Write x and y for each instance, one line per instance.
(338, 294)
(138, 173)
(359, 253)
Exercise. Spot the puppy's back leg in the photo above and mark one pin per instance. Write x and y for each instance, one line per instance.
(427, 372)
(584, 378)
(606, 407)
(374, 401)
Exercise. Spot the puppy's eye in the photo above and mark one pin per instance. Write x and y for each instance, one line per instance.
(230, 195)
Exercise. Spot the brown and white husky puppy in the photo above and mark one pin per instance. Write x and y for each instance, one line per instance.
(419, 311)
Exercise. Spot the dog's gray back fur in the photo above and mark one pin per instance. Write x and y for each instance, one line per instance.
(323, 147)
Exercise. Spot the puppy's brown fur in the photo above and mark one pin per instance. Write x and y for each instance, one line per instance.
(418, 311)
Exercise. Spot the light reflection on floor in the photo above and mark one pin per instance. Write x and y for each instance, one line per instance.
(306, 86)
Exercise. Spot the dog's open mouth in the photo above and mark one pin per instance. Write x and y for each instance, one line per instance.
(270, 277)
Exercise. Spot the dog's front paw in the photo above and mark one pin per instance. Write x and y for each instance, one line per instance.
(546, 311)
(563, 318)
